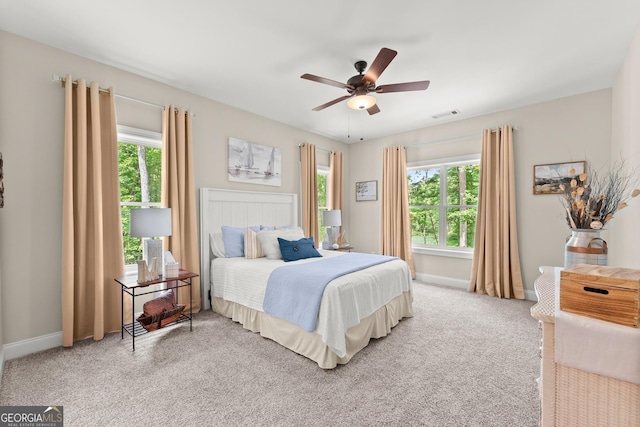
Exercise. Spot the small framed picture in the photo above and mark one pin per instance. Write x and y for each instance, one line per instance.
(547, 178)
(366, 191)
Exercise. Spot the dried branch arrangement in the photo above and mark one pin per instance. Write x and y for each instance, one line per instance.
(590, 205)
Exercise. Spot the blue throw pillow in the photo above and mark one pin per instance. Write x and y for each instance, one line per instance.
(233, 238)
(293, 250)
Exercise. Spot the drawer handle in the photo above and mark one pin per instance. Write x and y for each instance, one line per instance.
(596, 290)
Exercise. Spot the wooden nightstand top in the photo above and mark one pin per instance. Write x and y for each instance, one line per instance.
(131, 280)
(347, 248)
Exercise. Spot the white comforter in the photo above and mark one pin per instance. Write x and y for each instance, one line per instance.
(346, 300)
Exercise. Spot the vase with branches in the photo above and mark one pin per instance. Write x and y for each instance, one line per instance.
(591, 199)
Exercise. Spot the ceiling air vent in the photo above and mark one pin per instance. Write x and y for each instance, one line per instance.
(448, 113)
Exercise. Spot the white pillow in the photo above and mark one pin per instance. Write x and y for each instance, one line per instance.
(217, 245)
(269, 240)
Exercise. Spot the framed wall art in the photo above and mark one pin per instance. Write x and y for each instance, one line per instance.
(366, 191)
(547, 178)
(254, 163)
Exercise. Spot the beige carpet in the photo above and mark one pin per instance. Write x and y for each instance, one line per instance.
(462, 360)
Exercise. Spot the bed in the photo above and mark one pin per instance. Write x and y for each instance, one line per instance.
(354, 307)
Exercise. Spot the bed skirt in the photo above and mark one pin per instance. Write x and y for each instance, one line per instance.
(309, 344)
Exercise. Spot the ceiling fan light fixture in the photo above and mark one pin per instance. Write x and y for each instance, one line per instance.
(361, 102)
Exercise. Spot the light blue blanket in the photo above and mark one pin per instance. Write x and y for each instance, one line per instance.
(294, 292)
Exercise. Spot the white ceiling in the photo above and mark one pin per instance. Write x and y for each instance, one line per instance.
(480, 56)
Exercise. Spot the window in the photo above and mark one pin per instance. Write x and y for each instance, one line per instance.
(443, 202)
(140, 166)
(323, 175)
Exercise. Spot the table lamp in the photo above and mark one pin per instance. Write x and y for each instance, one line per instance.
(332, 220)
(150, 223)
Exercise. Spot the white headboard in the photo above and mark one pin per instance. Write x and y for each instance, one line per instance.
(238, 209)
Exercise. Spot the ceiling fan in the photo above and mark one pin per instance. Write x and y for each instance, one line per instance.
(361, 85)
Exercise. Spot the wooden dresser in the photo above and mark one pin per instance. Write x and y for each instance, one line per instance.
(573, 397)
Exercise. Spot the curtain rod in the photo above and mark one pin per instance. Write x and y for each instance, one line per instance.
(57, 78)
(62, 80)
(454, 138)
(321, 149)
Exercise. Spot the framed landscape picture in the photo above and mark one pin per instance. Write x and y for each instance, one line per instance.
(547, 178)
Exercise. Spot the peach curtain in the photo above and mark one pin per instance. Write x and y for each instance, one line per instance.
(334, 187)
(396, 224)
(335, 181)
(309, 190)
(92, 251)
(496, 262)
(178, 193)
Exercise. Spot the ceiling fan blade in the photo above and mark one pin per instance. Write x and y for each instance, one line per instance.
(373, 110)
(330, 103)
(326, 81)
(403, 87)
(384, 58)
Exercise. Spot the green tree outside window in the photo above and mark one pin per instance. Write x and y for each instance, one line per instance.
(443, 203)
(140, 185)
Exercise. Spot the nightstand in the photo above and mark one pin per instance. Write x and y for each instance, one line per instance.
(130, 286)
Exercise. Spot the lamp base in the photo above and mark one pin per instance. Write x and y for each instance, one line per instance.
(151, 249)
(332, 234)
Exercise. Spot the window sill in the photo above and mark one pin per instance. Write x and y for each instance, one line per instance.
(130, 269)
(451, 253)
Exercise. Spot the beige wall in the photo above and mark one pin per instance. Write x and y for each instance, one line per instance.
(625, 228)
(31, 131)
(574, 128)
(31, 134)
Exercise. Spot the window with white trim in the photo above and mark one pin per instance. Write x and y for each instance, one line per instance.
(140, 168)
(323, 177)
(443, 203)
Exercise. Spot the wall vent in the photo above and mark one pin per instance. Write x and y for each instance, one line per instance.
(448, 113)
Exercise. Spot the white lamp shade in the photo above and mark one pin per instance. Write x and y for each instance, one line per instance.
(150, 222)
(332, 218)
(361, 102)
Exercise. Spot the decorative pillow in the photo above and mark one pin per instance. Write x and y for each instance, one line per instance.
(269, 240)
(297, 249)
(217, 245)
(267, 227)
(252, 246)
(233, 238)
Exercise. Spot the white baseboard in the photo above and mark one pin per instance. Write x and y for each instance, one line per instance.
(442, 280)
(462, 284)
(32, 345)
(530, 295)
